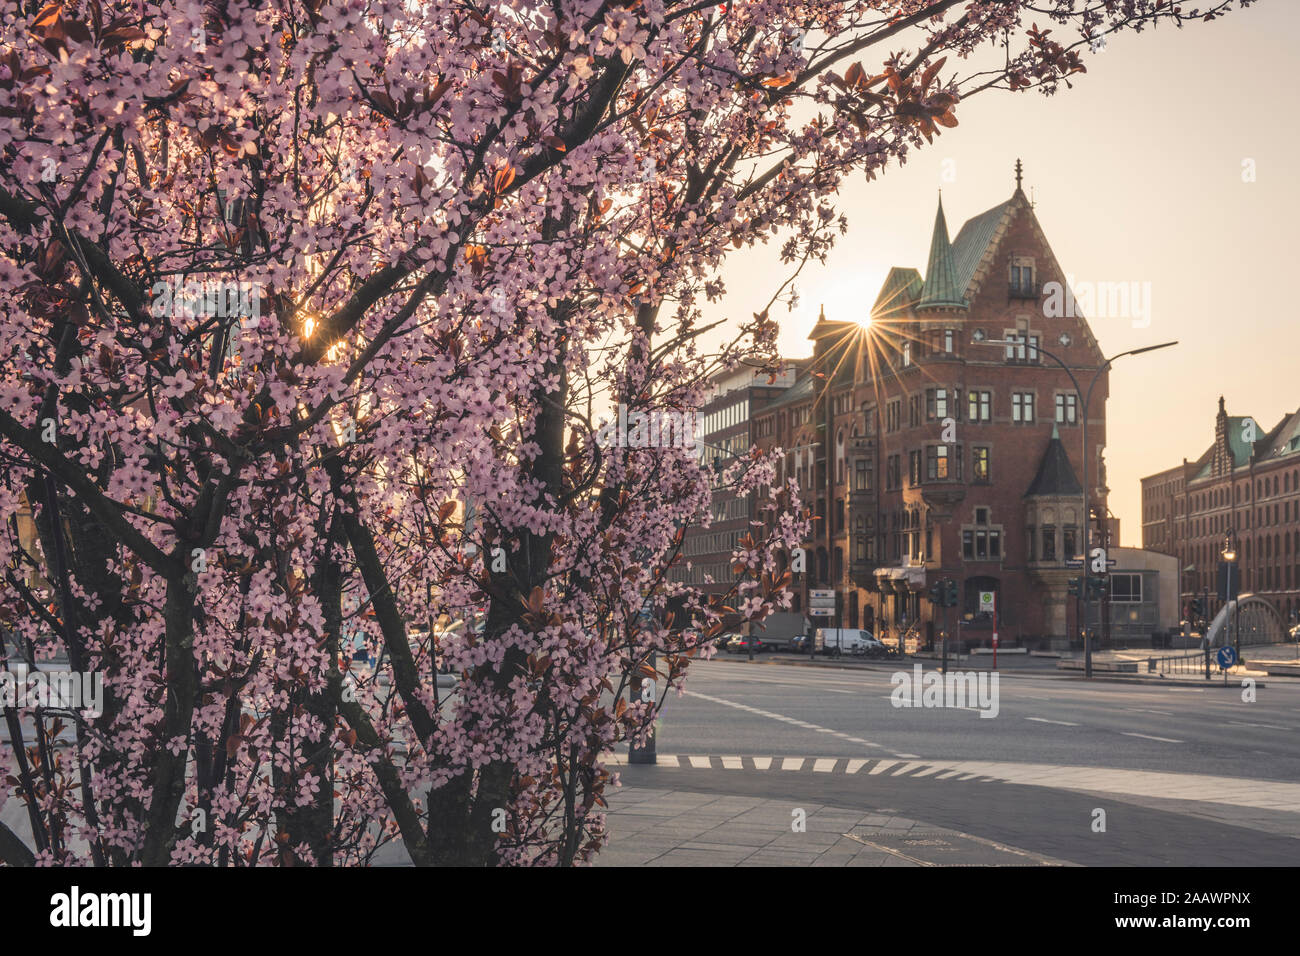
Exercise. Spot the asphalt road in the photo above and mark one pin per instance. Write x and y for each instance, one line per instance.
(1186, 775)
(1041, 718)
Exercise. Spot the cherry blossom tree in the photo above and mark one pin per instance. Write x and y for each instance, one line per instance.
(313, 312)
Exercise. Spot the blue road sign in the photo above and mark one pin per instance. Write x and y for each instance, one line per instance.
(1227, 657)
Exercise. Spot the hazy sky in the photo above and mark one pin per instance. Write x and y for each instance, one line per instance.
(1137, 175)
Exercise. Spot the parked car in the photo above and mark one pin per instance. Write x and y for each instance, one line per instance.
(741, 643)
(726, 642)
(836, 641)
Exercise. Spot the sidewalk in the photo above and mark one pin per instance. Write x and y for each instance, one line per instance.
(657, 827)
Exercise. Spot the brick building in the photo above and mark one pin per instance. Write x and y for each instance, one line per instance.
(1247, 484)
(926, 453)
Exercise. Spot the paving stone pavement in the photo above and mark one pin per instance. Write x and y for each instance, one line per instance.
(664, 827)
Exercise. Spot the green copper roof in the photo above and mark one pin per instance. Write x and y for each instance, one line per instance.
(973, 241)
(942, 287)
(902, 287)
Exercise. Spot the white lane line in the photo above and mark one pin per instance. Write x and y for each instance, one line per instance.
(762, 763)
(792, 763)
(732, 763)
(1142, 710)
(908, 756)
(1044, 720)
(700, 763)
(832, 690)
(1242, 723)
(1163, 740)
(824, 764)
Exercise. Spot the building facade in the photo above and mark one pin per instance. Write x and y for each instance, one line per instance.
(936, 436)
(1244, 490)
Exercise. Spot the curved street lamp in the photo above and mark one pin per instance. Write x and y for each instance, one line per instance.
(1084, 400)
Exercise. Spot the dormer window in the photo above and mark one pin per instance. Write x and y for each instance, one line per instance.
(1022, 279)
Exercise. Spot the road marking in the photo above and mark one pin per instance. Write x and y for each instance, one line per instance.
(883, 766)
(854, 766)
(908, 756)
(832, 690)
(792, 763)
(701, 763)
(1142, 710)
(1242, 723)
(1163, 740)
(1044, 720)
(666, 760)
(890, 850)
(824, 765)
(762, 763)
(732, 763)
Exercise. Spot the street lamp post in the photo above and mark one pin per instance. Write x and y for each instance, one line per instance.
(1084, 400)
(1229, 554)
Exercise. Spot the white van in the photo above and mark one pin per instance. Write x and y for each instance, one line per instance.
(843, 640)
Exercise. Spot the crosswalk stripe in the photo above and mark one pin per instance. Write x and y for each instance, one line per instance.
(855, 765)
(762, 763)
(732, 763)
(825, 765)
(667, 760)
(883, 766)
(701, 763)
(792, 763)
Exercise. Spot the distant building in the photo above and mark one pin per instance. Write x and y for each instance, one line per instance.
(1245, 485)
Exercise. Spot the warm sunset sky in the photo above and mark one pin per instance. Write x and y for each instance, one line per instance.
(1137, 174)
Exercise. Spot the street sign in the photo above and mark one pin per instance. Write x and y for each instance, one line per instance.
(987, 601)
(822, 594)
(821, 612)
(1074, 562)
(1227, 656)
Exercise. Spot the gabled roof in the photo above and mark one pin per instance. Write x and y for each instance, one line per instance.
(951, 268)
(941, 288)
(1055, 475)
(1237, 445)
(973, 241)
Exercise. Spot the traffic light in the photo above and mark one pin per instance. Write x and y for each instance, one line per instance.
(936, 594)
(1074, 588)
(950, 592)
(1098, 587)
(1198, 608)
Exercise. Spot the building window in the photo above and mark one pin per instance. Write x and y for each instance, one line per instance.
(948, 336)
(1066, 409)
(979, 406)
(1126, 588)
(1022, 407)
(1022, 281)
(1070, 543)
(1049, 542)
(936, 403)
(907, 354)
(981, 544)
(980, 464)
(914, 471)
(936, 462)
(861, 475)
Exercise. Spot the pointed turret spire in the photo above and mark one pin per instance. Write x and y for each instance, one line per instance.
(1019, 174)
(940, 288)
